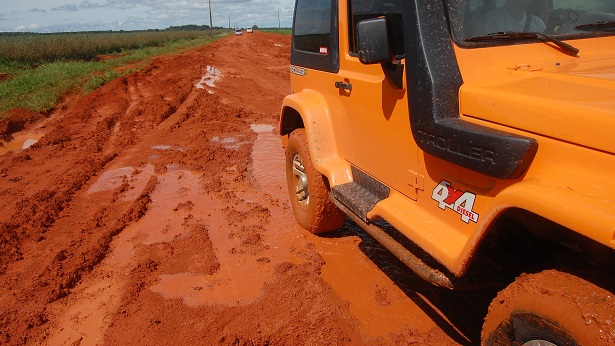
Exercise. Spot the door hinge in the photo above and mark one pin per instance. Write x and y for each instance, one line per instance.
(416, 180)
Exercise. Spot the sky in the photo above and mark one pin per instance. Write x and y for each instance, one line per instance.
(88, 15)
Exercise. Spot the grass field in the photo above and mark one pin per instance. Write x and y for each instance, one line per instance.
(38, 69)
(36, 48)
(283, 31)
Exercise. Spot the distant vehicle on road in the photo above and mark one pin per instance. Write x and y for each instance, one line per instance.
(238, 32)
(249, 30)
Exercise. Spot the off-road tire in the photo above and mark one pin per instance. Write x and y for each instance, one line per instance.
(313, 209)
(551, 306)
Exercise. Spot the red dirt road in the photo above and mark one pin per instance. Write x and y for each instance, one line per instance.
(154, 211)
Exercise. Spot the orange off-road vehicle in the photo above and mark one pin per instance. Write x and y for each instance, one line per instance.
(482, 132)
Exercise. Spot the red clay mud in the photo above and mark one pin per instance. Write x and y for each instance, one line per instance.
(154, 211)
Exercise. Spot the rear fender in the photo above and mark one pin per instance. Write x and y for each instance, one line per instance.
(310, 110)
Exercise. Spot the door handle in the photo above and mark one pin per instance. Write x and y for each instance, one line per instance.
(342, 85)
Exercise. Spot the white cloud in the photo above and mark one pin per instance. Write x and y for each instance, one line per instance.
(67, 7)
(77, 15)
(29, 27)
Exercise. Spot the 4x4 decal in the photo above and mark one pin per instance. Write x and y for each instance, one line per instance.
(460, 202)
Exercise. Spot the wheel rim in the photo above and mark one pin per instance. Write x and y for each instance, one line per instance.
(301, 181)
(538, 343)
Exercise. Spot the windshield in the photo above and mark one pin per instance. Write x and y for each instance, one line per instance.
(564, 19)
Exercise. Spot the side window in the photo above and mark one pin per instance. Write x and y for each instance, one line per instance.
(366, 9)
(313, 26)
(315, 36)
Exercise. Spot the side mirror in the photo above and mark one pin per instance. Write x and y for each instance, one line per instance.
(373, 41)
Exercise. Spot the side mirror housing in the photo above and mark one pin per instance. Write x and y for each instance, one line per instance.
(373, 41)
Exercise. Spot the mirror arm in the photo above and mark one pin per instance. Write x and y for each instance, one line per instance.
(394, 72)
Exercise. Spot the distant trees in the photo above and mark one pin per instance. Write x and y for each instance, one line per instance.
(192, 27)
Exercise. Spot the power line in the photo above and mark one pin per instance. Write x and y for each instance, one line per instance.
(211, 27)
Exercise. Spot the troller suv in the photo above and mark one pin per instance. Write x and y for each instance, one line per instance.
(482, 133)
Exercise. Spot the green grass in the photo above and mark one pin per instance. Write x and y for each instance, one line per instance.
(36, 48)
(38, 83)
(283, 31)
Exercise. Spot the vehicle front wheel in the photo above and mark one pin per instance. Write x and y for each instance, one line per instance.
(550, 308)
(308, 189)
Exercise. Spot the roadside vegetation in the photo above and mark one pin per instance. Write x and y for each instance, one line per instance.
(36, 70)
(283, 31)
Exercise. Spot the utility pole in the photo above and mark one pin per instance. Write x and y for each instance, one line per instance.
(211, 27)
(279, 23)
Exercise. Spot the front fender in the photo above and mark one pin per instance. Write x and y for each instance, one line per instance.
(588, 214)
(315, 116)
(585, 213)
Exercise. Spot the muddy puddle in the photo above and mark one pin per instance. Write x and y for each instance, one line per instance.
(268, 163)
(229, 142)
(209, 80)
(21, 141)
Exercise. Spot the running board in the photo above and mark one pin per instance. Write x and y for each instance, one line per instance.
(361, 195)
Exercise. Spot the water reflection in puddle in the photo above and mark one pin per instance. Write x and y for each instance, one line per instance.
(262, 128)
(20, 142)
(113, 179)
(229, 142)
(268, 163)
(29, 142)
(212, 76)
(163, 147)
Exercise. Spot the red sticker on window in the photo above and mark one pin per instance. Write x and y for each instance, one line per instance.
(324, 50)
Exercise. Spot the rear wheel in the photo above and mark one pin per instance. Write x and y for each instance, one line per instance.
(550, 308)
(308, 189)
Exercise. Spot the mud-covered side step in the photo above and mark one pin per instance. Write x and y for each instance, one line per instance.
(361, 195)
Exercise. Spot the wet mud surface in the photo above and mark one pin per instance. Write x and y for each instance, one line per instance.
(154, 211)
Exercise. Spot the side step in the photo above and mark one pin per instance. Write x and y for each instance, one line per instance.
(357, 198)
(361, 195)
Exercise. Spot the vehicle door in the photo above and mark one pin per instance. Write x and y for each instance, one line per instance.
(377, 137)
